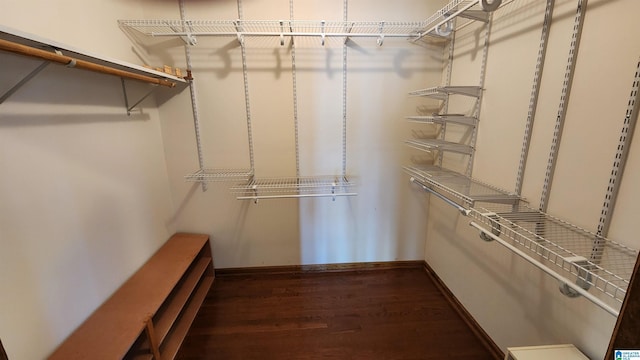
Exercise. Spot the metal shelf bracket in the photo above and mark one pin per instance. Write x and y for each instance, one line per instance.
(126, 97)
(380, 40)
(24, 80)
(348, 31)
(477, 15)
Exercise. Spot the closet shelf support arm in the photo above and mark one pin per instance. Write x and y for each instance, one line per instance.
(20, 49)
(24, 80)
(126, 97)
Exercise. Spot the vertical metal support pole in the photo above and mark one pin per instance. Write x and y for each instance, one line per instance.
(564, 101)
(447, 82)
(240, 12)
(476, 112)
(194, 98)
(245, 77)
(295, 92)
(344, 95)
(617, 171)
(535, 91)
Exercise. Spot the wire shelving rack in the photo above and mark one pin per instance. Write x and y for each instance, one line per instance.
(156, 28)
(438, 25)
(566, 248)
(441, 92)
(217, 175)
(461, 189)
(431, 145)
(442, 119)
(295, 187)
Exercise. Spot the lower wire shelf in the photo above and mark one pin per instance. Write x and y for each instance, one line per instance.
(220, 175)
(593, 263)
(295, 187)
(459, 188)
(441, 92)
(586, 264)
(443, 119)
(430, 145)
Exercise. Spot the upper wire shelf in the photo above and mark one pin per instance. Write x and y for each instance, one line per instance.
(463, 190)
(438, 25)
(439, 145)
(220, 175)
(593, 261)
(444, 118)
(441, 92)
(191, 28)
(295, 187)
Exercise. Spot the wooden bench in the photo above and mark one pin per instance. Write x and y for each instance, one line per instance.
(149, 316)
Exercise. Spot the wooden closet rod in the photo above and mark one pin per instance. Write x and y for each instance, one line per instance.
(77, 63)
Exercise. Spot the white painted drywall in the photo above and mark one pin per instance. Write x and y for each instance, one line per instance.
(514, 302)
(84, 189)
(386, 220)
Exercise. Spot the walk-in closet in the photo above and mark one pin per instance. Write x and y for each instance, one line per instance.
(295, 179)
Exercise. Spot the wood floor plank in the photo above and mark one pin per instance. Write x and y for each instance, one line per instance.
(374, 314)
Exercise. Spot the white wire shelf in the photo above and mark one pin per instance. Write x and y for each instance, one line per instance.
(431, 145)
(437, 25)
(219, 175)
(320, 28)
(463, 190)
(595, 263)
(443, 119)
(295, 187)
(441, 92)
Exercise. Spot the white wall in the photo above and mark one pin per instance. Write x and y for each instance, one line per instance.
(386, 220)
(515, 303)
(84, 187)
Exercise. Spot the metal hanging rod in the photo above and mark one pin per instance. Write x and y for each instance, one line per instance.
(462, 190)
(294, 187)
(563, 247)
(294, 196)
(440, 196)
(72, 62)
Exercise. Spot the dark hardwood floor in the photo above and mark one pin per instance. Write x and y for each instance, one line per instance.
(373, 314)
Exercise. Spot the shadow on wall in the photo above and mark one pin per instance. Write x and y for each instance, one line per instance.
(222, 55)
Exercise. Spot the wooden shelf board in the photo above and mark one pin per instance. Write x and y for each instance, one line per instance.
(28, 39)
(171, 312)
(176, 337)
(116, 324)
